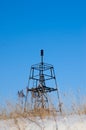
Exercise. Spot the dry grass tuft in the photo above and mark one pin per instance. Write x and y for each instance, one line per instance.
(41, 112)
(17, 110)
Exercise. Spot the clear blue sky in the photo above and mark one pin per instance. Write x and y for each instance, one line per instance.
(58, 27)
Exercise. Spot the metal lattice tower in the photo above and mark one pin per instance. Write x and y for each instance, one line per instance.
(38, 87)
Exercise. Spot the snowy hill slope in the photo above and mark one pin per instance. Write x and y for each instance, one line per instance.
(74, 122)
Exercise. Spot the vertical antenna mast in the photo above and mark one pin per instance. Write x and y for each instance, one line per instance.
(41, 69)
(42, 54)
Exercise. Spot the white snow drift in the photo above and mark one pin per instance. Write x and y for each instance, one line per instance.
(74, 122)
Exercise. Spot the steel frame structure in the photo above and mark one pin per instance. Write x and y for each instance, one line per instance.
(39, 74)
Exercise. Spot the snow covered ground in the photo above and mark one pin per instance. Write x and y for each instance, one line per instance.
(73, 122)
